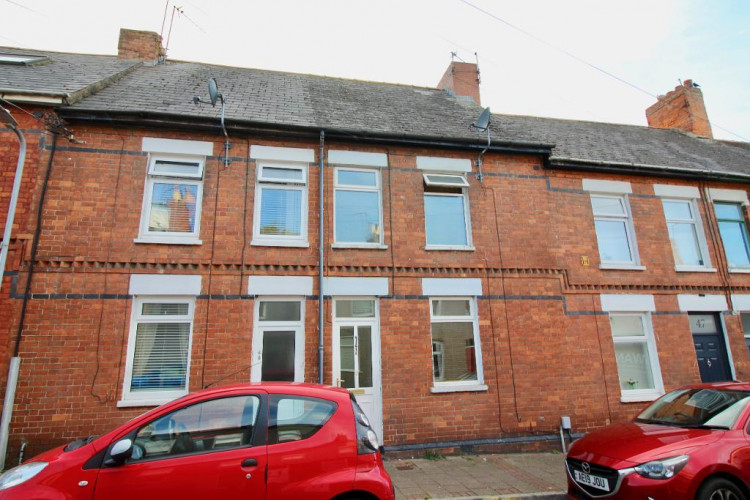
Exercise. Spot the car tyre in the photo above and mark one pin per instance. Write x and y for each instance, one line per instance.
(718, 488)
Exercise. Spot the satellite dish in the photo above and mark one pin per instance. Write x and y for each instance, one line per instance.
(483, 122)
(213, 91)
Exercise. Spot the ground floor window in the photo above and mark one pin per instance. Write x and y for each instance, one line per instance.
(635, 352)
(159, 348)
(456, 357)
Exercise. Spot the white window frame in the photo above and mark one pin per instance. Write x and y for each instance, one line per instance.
(268, 182)
(433, 180)
(155, 397)
(154, 177)
(699, 234)
(743, 222)
(337, 186)
(639, 395)
(634, 263)
(438, 352)
(473, 318)
(259, 327)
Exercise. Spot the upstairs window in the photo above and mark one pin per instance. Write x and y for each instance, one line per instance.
(446, 207)
(614, 229)
(734, 235)
(685, 234)
(281, 205)
(357, 207)
(172, 201)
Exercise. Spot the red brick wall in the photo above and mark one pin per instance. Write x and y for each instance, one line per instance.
(546, 344)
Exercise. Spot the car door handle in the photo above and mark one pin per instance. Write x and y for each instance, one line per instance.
(249, 462)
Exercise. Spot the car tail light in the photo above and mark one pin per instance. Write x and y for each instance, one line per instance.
(367, 440)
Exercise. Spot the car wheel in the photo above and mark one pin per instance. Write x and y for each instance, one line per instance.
(718, 488)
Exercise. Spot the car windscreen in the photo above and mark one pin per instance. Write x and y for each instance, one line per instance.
(702, 408)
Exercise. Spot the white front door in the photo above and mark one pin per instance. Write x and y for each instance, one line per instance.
(278, 341)
(356, 355)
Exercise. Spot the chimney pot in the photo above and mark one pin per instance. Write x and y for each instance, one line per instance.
(462, 79)
(683, 108)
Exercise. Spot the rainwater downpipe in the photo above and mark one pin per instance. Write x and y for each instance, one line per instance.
(321, 255)
(15, 361)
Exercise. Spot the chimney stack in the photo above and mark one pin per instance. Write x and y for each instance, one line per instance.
(682, 108)
(462, 79)
(139, 45)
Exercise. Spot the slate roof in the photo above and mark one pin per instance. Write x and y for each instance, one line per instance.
(282, 100)
(67, 76)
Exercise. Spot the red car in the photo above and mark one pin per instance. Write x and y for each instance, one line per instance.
(253, 441)
(691, 443)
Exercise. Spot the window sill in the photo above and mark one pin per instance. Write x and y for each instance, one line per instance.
(458, 388)
(456, 248)
(280, 243)
(640, 398)
(360, 246)
(166, 240)
(688, 269)
(622, 267)
(739, 270)
(131, 403)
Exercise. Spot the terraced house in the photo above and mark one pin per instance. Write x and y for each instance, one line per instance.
(470, 288)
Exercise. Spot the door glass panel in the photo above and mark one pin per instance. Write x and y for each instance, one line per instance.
(278, 356)
(346, 336)
(703, 323)
(279, 311)
(364, 348)
(355, 308)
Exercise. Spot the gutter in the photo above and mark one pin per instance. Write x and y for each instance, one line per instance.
(192, 123)
(643, 169)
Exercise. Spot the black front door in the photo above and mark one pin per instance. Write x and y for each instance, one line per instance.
(710, 350)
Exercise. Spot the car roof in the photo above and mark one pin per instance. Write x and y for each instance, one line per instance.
(301, 388)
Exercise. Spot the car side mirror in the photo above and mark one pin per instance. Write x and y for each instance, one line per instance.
(120, 451)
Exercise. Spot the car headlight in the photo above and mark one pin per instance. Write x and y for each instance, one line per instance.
(20, 474)
(664, 468)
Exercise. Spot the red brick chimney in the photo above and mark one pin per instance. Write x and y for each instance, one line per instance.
(462, 79)
(140, 45)
(682, 108)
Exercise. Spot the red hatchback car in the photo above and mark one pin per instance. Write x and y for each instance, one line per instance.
(692, 443)
(265, 441)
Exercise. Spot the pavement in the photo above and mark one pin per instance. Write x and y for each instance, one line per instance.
(507, 476)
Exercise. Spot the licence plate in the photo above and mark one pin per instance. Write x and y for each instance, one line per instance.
(589, 480)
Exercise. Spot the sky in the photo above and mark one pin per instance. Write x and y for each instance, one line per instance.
(594, 60)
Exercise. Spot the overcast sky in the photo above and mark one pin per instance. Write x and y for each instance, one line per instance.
(536, 57)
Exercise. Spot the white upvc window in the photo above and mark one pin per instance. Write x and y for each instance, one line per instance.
(158, 357)
(636, 356)
(456, 347)
(745, 316)
(278, 340)
(447, 214)
(734, 235)
(172, 199)
(614, 230)
(280, 217)
(686, 234)
(357, 208)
